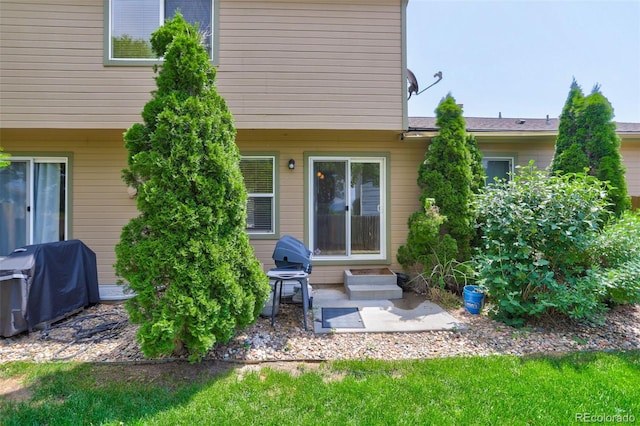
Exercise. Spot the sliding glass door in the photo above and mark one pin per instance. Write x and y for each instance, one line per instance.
(33, 202)
(347, 211)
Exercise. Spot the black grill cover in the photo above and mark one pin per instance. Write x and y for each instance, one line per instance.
(291, 253)
(46, 282)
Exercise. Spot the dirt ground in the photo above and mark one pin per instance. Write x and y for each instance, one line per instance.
(168, 374)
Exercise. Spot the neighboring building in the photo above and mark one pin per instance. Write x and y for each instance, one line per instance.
(509, 142)
(319, 83)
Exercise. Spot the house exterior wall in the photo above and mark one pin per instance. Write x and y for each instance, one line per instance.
(318, 69)
(281, 64)
(102, 205)
(541, 152)
(540, 149)
(630, 151)
(404, 157)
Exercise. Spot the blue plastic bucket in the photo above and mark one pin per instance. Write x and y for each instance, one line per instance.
(473, 299)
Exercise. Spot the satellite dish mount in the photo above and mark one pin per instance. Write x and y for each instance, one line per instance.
(413, 83)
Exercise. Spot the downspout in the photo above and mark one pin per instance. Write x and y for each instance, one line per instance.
(403, 74)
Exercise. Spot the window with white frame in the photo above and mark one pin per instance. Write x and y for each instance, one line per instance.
(130, 24)
(347, 207)
(259, 178)
(33, 202)
(497, 168)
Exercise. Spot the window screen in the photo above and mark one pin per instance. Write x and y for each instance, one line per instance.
(258, 173)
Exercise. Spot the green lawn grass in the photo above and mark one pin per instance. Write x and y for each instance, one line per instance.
(497, 390)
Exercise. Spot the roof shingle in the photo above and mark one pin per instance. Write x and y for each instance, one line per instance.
(485, 124)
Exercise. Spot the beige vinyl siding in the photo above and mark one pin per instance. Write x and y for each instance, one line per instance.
(52, 72)
(631, 158)
(405, 158)
(101, 204)
(540, 149)
(541, 152)
(332, 63)
(282, 64)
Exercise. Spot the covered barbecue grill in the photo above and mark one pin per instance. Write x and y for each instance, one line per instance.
(291, 253)
(293, 263)
(43, 283)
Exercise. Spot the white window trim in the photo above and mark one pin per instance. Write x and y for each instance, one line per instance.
(107, 48)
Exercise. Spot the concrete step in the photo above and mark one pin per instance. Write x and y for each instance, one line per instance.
(373, 291)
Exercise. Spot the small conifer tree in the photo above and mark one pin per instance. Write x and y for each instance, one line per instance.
(602, 148)
(587, 139)
(478, 176)
(446, 175)
(440, 234)
(187, 256)
(569, 156)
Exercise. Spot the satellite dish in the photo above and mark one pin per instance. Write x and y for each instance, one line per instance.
(413, 83)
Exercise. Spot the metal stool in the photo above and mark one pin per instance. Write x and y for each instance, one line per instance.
(282, 275)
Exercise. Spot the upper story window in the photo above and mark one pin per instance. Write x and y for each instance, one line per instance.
(130, 23)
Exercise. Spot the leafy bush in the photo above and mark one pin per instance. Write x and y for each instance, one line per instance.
(3, 158)
(619, 241)
(536, 232)
(616, 252)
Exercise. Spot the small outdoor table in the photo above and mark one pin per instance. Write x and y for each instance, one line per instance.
(281, 276)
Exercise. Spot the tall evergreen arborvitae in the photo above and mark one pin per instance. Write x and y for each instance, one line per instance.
(602, 148)
(478, 176)
(569, 156)
(187, 255)
(446, 176)
(440, 234)
(587, 140)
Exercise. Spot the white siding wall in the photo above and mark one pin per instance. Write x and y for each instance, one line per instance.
(283, 64)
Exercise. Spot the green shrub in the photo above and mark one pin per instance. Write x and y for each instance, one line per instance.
(424, 243)
(587, 140)
(187, 255)
(619, 241)
(622, 284)
(616, 252)
(441, 234)
(446, 175)
(536, 232)
(3, 158)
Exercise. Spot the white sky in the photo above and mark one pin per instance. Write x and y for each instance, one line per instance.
(518, 57)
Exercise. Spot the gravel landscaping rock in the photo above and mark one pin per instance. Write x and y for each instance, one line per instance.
(102, 333)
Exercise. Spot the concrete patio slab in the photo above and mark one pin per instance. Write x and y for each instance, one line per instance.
(412, 313)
